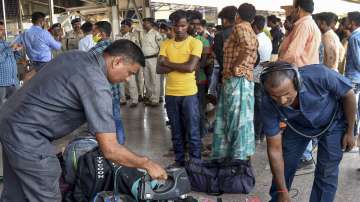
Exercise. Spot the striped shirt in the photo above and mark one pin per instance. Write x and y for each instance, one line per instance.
(8, 68)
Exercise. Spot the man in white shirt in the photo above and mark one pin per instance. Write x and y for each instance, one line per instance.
(86, 43)
(264, 53)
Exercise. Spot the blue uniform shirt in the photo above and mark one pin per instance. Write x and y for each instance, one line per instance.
(352, 70)
(319, 97)
(38, 44)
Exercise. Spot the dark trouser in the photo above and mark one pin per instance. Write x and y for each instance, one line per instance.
(327, 166)
(30, 177)
(202, 93)
(184, 117)
(258, 126)
(38, 65)
(5, 93)
(357, 94)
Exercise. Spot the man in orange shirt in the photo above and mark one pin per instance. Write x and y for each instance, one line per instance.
(301, 47)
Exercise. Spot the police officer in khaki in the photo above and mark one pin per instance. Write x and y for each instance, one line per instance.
(73, 37)
(150, 47)
(135, 84)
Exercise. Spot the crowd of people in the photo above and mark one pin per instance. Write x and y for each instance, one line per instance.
(296, 84)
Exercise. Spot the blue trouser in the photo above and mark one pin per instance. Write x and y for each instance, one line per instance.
(184, 117)
(214, 82)
(120, 134)
(357, 94)
(327, 166)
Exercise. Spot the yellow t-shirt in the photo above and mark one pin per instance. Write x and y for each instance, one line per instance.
(178, 83)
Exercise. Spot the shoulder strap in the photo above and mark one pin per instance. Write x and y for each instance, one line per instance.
(284, 118)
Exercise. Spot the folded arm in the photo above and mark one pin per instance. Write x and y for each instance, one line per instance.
(187, 67)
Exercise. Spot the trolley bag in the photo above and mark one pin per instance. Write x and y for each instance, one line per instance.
(221, 176)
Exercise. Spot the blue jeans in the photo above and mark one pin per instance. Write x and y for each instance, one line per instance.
(327, 166)
(184, 117)
(214, 82)
(120, 133)
(357, 94)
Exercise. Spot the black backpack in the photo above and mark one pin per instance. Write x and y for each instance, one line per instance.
(94, 174)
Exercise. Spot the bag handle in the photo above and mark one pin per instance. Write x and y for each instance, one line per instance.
(115, 179)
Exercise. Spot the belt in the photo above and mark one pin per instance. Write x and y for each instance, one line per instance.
(152, 56)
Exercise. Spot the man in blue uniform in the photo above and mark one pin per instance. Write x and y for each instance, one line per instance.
(315, 102)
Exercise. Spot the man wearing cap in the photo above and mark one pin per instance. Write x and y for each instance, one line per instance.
(151, 46)
(74, 36)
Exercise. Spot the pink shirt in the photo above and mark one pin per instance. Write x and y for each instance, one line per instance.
(301, 46)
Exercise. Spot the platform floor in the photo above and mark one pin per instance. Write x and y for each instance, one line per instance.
(147, 134)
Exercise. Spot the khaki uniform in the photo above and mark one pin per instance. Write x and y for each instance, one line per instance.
(72, 40)
(56, 53)
(135, 85)
(151, 47)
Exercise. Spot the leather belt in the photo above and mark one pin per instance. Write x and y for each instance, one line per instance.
(151, 56)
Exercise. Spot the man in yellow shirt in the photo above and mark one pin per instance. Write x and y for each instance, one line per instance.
(178, 60)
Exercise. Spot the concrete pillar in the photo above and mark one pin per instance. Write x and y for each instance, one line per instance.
(4, 17)
(51, 11)
(115, 21)
(21, 13)
(146, 9)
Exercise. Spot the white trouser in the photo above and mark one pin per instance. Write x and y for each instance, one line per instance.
(133, 89)
(152, 80)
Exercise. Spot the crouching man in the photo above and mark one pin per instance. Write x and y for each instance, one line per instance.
(72, 89)
(315, 102)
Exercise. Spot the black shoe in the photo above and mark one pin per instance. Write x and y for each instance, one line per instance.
(152, 104)
(133, 105)
(305, 166)
(161, 100)
(176, 165)
(123, 102)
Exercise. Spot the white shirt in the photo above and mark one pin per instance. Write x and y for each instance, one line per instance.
(264, 49)
(86, 43)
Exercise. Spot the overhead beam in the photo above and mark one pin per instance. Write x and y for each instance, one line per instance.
(84, 8)
(4, 17)
(45, 4)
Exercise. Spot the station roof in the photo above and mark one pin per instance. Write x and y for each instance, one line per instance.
(336, 6)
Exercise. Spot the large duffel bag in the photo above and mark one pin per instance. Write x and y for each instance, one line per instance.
(221, 176)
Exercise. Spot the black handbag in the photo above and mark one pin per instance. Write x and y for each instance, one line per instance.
(221, 176)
